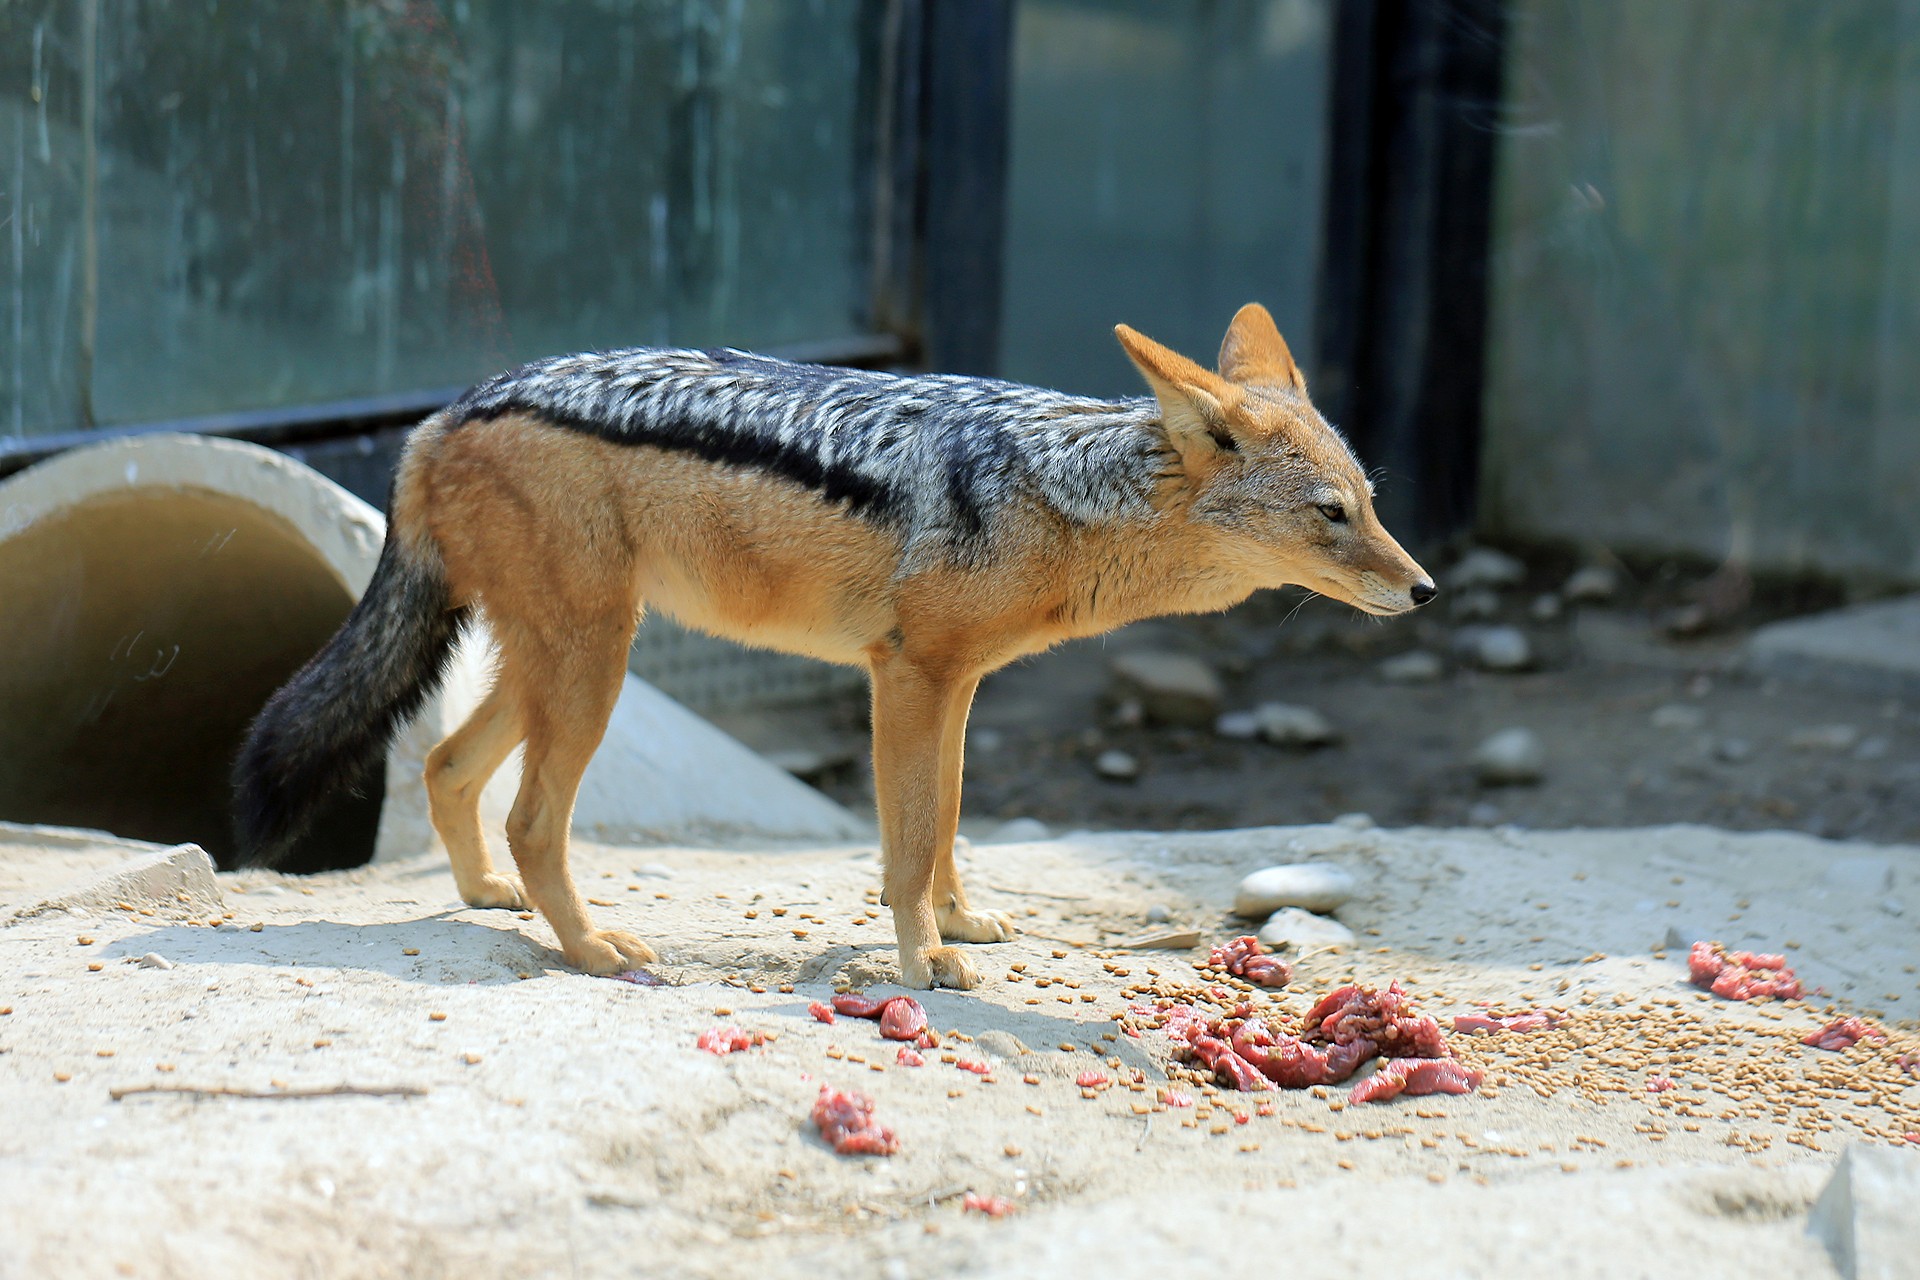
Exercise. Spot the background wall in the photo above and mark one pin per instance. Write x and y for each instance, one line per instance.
(1705, 327)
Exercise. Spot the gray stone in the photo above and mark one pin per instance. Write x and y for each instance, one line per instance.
(1416, 666)
(1865, 1216)
(1893, 907)
(1824, 737)
(1287, 725)
(1870, 648)
(1733, 750)
(1510, 757)
(88, 873)
(154, 960)
(1545, 608)
(1677, 715)
(1485, 567)
(1474, 604)
(1159, 913)
(1494, 648)
(1021, 831)
(1242, 726)
(1356, 821)
(1315, 886)
(1592, 584)
(1118, 765)
(1173, 689)
(1303, 930)
(1002, 1044)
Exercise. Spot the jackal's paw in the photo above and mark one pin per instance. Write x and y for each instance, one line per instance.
(604, 952)
(938, 967)
(961, 924)
(497, 891)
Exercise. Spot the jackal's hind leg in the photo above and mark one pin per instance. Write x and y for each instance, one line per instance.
(567, 698)
(457, 771)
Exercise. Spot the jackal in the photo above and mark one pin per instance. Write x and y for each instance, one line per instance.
(928, 529)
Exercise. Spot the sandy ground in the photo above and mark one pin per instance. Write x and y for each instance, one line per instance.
(569, 1127)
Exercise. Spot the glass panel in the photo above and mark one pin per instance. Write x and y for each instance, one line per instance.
(1166, 168)
(300, 201)
(1706, 294)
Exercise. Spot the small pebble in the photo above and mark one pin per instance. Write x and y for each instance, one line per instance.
(1477, 604)
(1824, 737)
(1118, 765)
(1303, 930)
(1485, 567)
(1021, 831)
(1510, 757)
(1677, 715)
(1417, 666)
(1159, 913)
(1494, 648)
(1733, 750)
(1594, 583)
(1240, 726)
(1545, 608)
(1286, 725)
(154, 960)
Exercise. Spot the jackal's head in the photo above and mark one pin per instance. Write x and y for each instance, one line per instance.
(1261, 470)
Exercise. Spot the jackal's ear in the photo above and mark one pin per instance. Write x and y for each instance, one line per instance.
(1193, 400)
(1254, 354)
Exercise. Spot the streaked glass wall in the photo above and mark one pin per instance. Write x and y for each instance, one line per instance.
(1166, 168)
(1706, 290)
(208, 206)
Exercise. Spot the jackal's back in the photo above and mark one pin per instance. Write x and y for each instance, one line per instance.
(942, 457)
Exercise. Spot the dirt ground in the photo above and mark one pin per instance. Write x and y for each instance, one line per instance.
(1639, 728)
(567, 1126)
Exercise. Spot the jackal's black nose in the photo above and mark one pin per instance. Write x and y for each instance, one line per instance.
(1421, 592)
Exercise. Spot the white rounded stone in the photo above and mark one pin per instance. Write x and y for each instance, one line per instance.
(1303, 930)
(1315, 886)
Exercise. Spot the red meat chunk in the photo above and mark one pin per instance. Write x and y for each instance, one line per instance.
(903, 1018)
(909, 1057)
(855, 1005)
(1843, 1033)
(1091, 1079)
(1659, 1084)
(1481, 1024)
(845, 1121)
(1348, 1027)
(1741, 975)
(992, 1206)
(821, 1012)
(721, 1041)
(1245, 957)
(1416, 1077)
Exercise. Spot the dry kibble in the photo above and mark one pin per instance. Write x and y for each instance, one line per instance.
(436, 1016)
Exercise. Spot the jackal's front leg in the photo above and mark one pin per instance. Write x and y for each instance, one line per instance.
(919, 721)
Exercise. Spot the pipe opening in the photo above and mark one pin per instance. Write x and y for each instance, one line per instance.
(141, 632)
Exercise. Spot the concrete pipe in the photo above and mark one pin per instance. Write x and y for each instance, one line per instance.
(155, 590)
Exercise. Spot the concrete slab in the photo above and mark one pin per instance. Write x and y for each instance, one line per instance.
(1865, 1217)
(554, 1124)
(1872, 648)
(53, 869)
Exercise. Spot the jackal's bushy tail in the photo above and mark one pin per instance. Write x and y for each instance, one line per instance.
(329, 726)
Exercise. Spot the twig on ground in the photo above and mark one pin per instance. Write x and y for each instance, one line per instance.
(227, 1091)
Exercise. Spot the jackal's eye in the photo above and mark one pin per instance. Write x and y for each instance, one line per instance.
(1334, 512)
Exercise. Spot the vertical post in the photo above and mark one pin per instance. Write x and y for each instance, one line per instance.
(89, 204)
(1403, 288)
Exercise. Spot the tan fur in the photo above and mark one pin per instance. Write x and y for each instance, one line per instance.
(562, 539)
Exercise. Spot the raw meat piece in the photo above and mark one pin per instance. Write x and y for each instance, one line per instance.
(721, 1041)
(909, 1057)
(903, 1018)
(978, 1068)
(1384, 1018)
(1659, 1084)
(641, 978)
(1415, 1077)
(1090, 1079)
(855, 1005)
(1348, 1027)
(1909, 1063)
(1741, 975)
(1488, 1023)
(845, 1121)
(1245, 957)
(1843, 1033)
(821, 1012)
(992, 1206)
